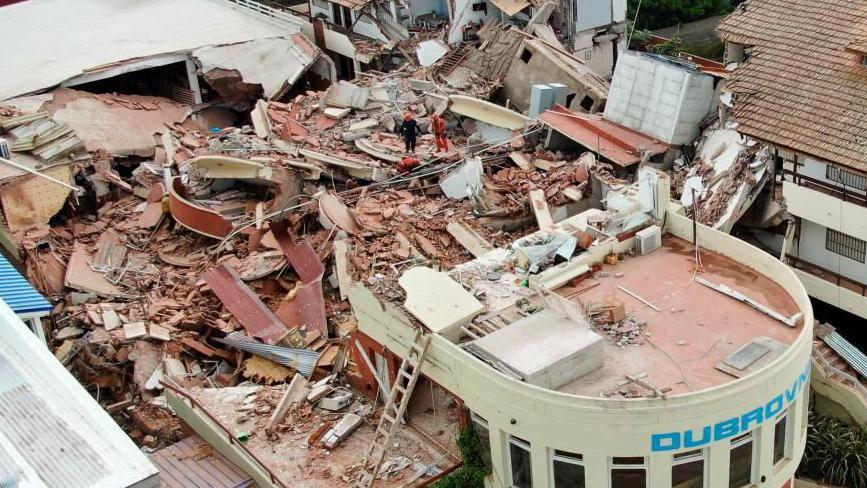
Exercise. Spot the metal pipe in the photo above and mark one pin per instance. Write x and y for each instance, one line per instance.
(77, 190)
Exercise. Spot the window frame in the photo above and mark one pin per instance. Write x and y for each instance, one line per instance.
(569, 458)
(787, 436)
(477, 420)
(844, 177)
(700, 454)
(612, 465)
(738, 441)
(839, 243)
(522, 444)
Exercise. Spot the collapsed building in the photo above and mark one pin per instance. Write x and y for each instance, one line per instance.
(242, 249)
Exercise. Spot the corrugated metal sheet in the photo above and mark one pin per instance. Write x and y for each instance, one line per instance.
(18, 293)
(181, 465)
(848, 352)
(252, 314)
(300, 360)
(306, 310)
(301, 255)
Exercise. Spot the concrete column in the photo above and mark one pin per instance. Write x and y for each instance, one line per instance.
(499, 456)
(763, 455)
(659, 469)
(539, 461)
(718, 465)
(193, 80)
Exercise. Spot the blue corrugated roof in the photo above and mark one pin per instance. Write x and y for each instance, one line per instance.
(18, 293)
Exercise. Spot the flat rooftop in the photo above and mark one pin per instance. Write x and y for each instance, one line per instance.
(695, 329)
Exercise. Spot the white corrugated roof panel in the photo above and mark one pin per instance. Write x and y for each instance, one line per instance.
(49, 41)
(52, 433)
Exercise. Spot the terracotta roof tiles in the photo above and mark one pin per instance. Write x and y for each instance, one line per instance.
(800, 87)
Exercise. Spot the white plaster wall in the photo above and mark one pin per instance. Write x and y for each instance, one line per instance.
(421, 7)
(601, 428)
(811, 247)
(464, 14)
(826, 210)
(658, 98)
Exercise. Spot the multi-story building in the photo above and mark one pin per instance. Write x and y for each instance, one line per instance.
(801, 87)
(681, 386)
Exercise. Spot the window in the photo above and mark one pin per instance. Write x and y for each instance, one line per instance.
(845, 245)
(526, 55)
(864, 59)
(846, 178)
(519, 459)
(741, 461)
(628, 472)
(687, 469)
(568, 470)
(780, 429)
(480, 425)
(587, 102)
(481, 7)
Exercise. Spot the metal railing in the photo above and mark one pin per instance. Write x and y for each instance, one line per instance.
(280, 17)
(827, 275)
(829, 370)
(229, 434)
(858, 197)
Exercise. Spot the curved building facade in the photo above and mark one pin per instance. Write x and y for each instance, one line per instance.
(703, 384)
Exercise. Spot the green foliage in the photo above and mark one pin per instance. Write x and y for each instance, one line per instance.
(671, 47)
(836, 452)
(472, 474)
(656, 14)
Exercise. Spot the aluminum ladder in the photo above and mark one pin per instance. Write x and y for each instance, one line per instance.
(392, 413)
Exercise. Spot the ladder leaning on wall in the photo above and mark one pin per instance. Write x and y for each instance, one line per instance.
(394, 409)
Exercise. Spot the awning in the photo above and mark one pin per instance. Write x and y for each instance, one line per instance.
(511, 7)
(18, 293)
(621, 145)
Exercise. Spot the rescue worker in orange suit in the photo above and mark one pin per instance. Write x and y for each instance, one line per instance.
(438, 127)
(407, 164)
(409, 130)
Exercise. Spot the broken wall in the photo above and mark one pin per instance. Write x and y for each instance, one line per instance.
(535, 63)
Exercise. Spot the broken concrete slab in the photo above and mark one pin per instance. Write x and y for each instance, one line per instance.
(521, 160)
(336, 113)
(295, 393)
(342, 430)
(80, 276)
(68, 332)
(346, 95)
(464, 181)
(540, 209)
(439, 302)
(469, 238)
(429, 52)
(159, 333)
(133, 330)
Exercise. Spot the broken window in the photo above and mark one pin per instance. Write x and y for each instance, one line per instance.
(845, 245)
(480, 426)
(519, 459)
(568, 470)
(526, 55)
(741, 461)
(587, 102)
(628, 472)
(780, 429)
(846, 178)
(687, 469)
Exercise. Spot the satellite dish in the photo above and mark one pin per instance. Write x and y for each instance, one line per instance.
(692, 184)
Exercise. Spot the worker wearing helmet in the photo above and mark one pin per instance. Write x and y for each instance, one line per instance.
(438, 127)
(409, 130)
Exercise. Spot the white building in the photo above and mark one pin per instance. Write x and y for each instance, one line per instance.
(698, 390)
(807, 100)
(52, 433)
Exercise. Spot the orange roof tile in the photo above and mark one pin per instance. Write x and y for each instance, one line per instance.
(800, 87)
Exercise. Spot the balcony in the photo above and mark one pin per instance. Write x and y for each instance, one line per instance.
(858, 197)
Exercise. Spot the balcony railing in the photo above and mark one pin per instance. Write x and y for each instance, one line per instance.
(858, 197)
(827, 275)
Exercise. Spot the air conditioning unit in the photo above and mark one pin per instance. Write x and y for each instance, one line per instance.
(648, 240)
(4, 148)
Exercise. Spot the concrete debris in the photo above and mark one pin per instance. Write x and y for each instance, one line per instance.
(342, 430)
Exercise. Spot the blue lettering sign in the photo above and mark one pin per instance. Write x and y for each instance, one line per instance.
(671, 441)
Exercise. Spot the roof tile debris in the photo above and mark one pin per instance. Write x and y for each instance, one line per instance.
(800, 88)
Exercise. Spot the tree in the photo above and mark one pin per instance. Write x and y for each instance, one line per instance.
(656, 14)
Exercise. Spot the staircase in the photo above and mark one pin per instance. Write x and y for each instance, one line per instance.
(392, 413)
(452, 60)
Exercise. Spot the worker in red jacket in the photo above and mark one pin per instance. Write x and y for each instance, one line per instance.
(438, 128)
